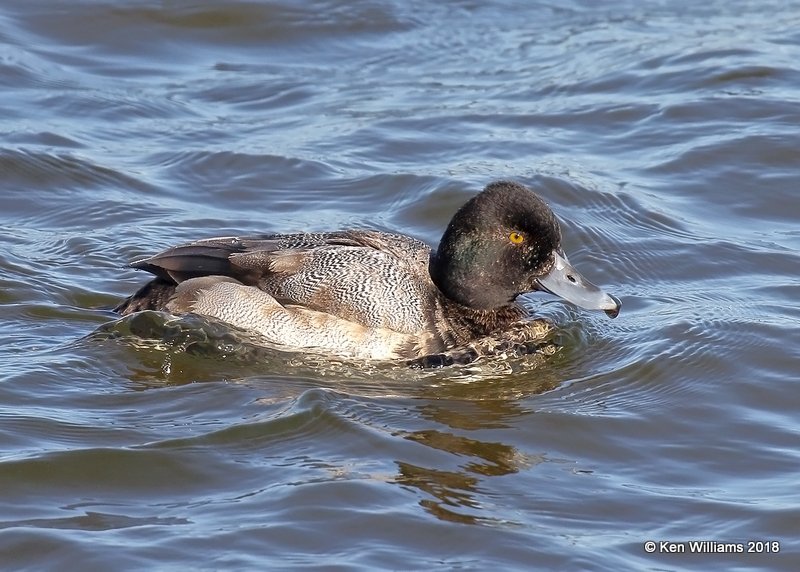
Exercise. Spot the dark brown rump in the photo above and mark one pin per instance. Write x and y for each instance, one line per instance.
(152, 296)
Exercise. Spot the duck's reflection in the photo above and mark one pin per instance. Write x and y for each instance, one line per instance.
(452, 494)
(450, 489)
(444, 411)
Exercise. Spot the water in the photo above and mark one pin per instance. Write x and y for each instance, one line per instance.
(664, 134)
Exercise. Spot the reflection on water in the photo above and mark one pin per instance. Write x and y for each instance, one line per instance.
(457, 490)
(179, 349)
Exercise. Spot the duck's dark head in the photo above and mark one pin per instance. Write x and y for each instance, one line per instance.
(504, 242)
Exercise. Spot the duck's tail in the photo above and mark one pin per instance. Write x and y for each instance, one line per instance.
(152, 296)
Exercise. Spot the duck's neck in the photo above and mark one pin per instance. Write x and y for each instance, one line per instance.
(474, 322)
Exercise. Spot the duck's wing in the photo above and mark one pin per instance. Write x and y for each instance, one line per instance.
(372, 278)
(213, 256)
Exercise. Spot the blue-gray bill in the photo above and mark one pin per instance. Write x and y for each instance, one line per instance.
(566, 282)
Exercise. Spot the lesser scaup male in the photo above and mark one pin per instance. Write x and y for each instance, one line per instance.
(375, 295)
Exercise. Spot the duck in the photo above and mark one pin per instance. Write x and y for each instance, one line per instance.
(374, 295)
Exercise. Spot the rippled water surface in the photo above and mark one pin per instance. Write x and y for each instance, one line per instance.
(664, 134)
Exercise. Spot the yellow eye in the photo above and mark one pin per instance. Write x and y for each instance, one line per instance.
(516, 238)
